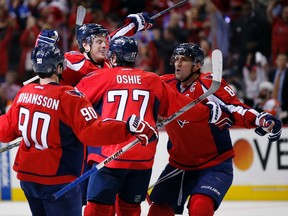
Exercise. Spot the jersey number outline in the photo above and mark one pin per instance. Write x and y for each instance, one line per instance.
(123, 94)
(38, 119)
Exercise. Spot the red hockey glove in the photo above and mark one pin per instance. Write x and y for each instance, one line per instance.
(268, 124)
(142, 20)
(47, 37)
(220, 116)
(141, 129)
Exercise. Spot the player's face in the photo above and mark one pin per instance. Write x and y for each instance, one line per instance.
(183, 66)
(98, 49)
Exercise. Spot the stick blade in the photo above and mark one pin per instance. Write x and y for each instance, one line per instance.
(217, 65)
(81, 12)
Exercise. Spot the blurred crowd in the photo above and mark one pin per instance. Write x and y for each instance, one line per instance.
(252, 35)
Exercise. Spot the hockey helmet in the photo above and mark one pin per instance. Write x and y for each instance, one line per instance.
(45, 58)
(191, 50)
(87, 32)
(125, 48)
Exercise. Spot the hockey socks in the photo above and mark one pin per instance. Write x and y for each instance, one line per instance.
(201, 205)
(127, 209)
(94, 209)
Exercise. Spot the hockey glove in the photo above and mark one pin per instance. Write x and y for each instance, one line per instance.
(142, 20)
(220, 116)
(141, 129)
(47, 37)
(268, 124)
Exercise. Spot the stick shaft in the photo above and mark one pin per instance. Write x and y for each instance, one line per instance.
(31, 80)
(169, 9)
(11, 145)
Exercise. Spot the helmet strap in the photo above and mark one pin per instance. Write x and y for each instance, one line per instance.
(113, 60)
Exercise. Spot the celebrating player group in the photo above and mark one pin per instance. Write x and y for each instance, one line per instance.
(91, 103)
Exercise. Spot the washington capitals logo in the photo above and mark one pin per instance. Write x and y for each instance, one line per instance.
(182, 123)
(75, 92)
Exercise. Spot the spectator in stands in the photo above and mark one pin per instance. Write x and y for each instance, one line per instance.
(3, 101)
(279, 21)
(265, 102)
(6, 30)
(10, 86)
(280, 91)
(197, 26)
(165, 45)
(27, 40)
(247, 35)
(253, 75)
(207, 65)
(219, 28)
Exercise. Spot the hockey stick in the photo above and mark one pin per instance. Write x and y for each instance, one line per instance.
(169, 9)
(81, 12)
(217, 63)
(31, 80)
(11, 145)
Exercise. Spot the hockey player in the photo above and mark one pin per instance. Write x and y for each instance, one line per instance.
(201, 156)
(116, 93)
(56, 122)
(92, 41)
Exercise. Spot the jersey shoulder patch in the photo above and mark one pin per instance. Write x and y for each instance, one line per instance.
(74, 92)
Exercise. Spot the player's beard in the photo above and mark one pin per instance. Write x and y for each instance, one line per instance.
(262, 96)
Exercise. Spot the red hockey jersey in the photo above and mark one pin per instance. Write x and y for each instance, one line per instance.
(78, 66)
(117, 93)
(195, 146)
(54, 121)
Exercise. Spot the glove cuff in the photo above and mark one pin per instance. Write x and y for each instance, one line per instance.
(133, 123)
(215, 112)
(260, 119)
(138, 20)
